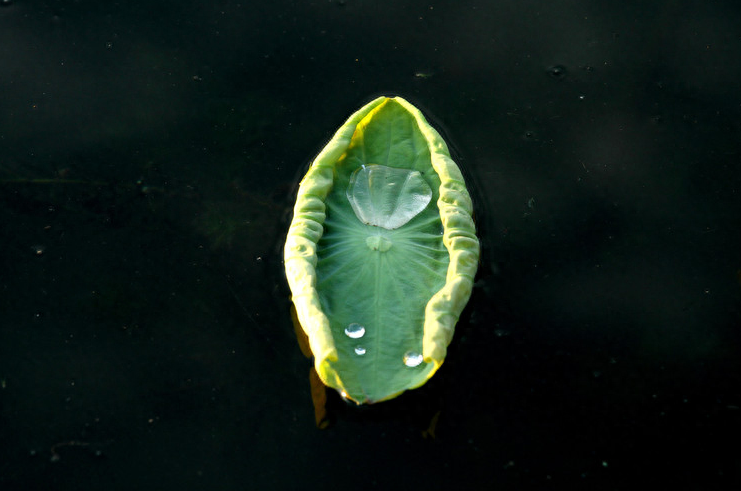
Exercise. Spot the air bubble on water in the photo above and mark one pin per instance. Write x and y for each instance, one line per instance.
(354, 331)
(412, 359)
(557, 71)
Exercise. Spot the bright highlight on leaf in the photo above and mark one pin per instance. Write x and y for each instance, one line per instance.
(381, 253)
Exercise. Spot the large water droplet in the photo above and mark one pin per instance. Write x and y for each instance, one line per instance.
(355, 331)
(412, 359)
(386, 196)
(359, 350)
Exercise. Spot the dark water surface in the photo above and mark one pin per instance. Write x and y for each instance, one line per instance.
(148, 156)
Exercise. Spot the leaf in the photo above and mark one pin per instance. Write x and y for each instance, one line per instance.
(381, 252)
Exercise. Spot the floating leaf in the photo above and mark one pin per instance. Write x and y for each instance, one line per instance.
(381, 253)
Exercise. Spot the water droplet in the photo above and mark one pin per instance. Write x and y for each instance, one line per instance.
(412, 359)
(387, 197)
(5, 3)
(355, 331)
(359, 350)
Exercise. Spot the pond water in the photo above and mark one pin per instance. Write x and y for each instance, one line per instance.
(149, 157)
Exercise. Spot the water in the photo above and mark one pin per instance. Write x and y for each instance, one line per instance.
(355, 331)
(152, 298)
(387, 197)
(413, 359)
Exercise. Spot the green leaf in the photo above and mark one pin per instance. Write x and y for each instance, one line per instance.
(381, 252)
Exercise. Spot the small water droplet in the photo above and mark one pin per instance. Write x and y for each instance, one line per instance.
(412, 359)
(354, 331)
(359, 350)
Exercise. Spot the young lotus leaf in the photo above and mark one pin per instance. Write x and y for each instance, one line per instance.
(381, 253)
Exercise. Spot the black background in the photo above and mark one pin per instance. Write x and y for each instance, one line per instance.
(149, 151)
